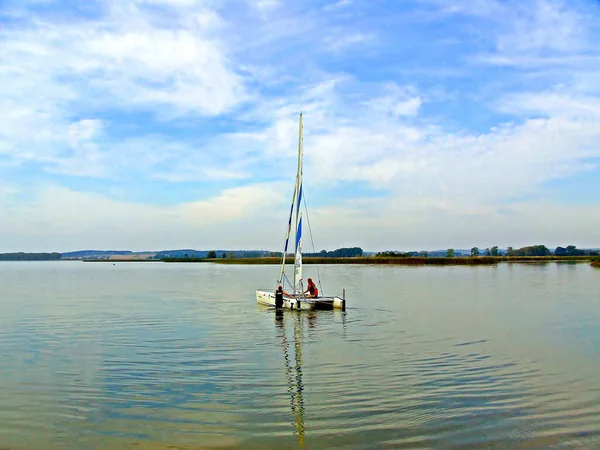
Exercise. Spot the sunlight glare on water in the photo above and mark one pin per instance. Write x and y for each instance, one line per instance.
(157, 356)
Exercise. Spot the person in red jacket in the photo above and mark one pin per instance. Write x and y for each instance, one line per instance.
(312, 289)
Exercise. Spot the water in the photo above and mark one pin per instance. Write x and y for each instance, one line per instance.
(157, 356)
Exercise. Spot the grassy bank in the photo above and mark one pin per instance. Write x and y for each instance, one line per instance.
(117, 260)
(543, 258)
(364, 260)
(410, 261)
(596, 262)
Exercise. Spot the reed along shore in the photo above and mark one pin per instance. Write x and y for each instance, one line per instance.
(409, 261)
(373, 260)
(355, 260)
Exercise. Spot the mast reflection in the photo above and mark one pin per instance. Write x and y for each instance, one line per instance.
(293, 368)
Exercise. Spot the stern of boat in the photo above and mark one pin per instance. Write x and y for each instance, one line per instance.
(265, 297)
(339, 303)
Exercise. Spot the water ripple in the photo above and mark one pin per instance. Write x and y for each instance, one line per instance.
(148, 356)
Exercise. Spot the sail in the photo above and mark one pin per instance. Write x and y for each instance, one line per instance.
(298, 288)
(298, 259)
(287, 238)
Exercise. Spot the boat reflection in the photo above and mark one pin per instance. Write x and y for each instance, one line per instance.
(293, 368)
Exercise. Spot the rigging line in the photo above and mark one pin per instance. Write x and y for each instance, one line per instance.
(285, 278)
(311, 239)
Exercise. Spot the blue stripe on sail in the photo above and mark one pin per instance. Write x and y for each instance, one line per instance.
(288, 237)
(299, 198)
(286, 244)
(289, 227)
(299, 233)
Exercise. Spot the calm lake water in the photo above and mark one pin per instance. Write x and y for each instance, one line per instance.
(157, 356)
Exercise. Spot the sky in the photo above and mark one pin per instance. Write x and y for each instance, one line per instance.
(428, 124)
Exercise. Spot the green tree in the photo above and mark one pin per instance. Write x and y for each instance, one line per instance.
(475, 251)
(510, 251)
(571, 250)
(488, 252)
(533, 250)
(211, 254)
(450, 253)
(495, 251)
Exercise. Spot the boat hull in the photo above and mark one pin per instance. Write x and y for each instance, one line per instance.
(301, 303)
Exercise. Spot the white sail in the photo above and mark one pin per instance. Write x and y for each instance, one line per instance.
(298, 285)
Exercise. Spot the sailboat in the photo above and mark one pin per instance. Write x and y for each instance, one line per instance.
(297, 299)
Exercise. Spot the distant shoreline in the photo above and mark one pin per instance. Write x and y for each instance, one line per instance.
(368, 260)
(364, 260)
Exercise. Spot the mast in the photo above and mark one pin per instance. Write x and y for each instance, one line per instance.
(298, 288)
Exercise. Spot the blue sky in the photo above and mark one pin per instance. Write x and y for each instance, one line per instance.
(152, 124)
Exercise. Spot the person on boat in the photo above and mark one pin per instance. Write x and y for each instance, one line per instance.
(280, 289)
(312, 289)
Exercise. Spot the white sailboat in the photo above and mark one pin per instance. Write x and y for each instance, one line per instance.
(297, 298)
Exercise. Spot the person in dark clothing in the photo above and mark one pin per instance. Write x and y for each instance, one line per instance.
(280, 289)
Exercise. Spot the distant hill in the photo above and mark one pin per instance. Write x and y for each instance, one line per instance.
(204, 253)
(177, 253)
(88, 253)
(220, 253)
(21, 256)
(181, 253)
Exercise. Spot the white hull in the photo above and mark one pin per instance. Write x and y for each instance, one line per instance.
(267, 298)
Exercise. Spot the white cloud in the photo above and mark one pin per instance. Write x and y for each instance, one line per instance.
(426, 165)
(479, 8)
(82, 131)
(536, 32)
(7, 190)
(126, 59)
(554, 104)
(264, 8)
(549, 25)
(540, 32)
(407, 228)
(340, 4)
(397, 101)
(187, 3)
(342, 41)
(178, 69)
(59, 218)
(254, 217)
(267, 4)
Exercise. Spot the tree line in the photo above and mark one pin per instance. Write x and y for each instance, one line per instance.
(21, 256)
(531, 250)
(534, 250)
